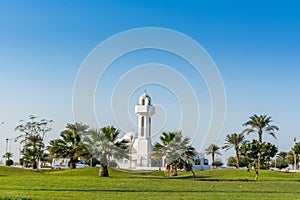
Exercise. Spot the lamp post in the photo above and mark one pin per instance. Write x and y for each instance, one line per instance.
(295, 158)
(10, 145)
(6, 153)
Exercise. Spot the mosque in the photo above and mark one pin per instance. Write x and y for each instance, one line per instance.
(141, 146)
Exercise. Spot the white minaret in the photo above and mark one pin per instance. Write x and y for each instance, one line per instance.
(144, 111)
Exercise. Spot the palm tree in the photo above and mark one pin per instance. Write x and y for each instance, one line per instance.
(29, 158)
(296, 152)
(233, 141)
(32, 136)
(173, 147)
(8, 155)
(34, 147)
(213, 150)
(70, 146)
(259, 125)
(105, 145)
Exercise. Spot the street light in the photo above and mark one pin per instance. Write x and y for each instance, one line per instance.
(10, 145)
(6, 154)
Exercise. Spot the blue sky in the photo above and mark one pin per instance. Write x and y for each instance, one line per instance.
(254, 44)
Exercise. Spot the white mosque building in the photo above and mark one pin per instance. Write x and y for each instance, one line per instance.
(141, 146)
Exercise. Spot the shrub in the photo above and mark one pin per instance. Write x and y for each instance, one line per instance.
(113, 163)
(9, 162)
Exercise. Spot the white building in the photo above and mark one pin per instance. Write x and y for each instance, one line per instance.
(141, 146)
(140, 143)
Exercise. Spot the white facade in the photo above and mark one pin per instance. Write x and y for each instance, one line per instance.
(141, 146)
(144, 110)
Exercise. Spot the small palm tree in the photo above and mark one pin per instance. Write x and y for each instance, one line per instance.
(34, 147)
(213, 150)
(260, 124)
(234, 141)
(104, 144)
(175, 149)
(70, 146)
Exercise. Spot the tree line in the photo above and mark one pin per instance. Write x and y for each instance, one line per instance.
(256, 154)
(104, 146)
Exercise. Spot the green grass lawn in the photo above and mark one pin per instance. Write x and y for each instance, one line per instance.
(232, 184)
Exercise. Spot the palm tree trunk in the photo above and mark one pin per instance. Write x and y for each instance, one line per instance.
(173, 170)
(213, 159)
(72, 163)
(260, 136)
(237, 158)
(297, 162)
(34, 165)
(259, 153)
(103, 172)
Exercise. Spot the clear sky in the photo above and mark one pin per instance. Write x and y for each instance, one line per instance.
(254, 44)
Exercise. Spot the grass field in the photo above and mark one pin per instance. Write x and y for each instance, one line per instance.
(232, 184)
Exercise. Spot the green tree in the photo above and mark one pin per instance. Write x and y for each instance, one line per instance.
(290, 159)
(104, 145)
(258, 152)
(296, 152)
(280, 161)
(70, 145)
(33, 148)
(9, 162)
(234, 141)
(32, 136)
(175, 149)
(213, 150)
(260, 124)
(218, 163)
(243, 161)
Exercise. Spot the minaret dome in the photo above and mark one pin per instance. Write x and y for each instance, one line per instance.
(145, 99)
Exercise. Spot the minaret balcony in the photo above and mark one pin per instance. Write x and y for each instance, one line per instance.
(144, 110)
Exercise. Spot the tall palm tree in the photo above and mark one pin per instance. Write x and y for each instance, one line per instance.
(104, 144)
(260, 124)
(173, 147)
(212, 150)
(70, 145)
(233, 141)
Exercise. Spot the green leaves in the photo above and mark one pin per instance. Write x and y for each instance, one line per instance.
(70, 144)
(172, 145)
(233, 140)
(260, 124)
(32, 138)
(255, 150)
(104, 144)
